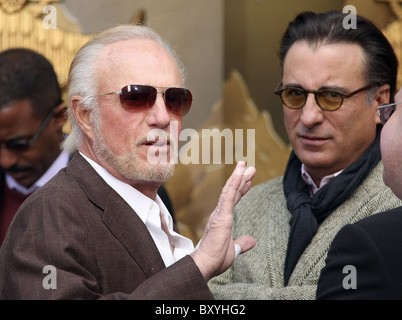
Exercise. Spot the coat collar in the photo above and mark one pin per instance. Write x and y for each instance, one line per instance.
(117, 215)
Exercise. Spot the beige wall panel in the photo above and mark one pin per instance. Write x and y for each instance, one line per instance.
(193, 27)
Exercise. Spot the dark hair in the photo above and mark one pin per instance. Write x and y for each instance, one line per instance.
(381, 63)
(25, 74)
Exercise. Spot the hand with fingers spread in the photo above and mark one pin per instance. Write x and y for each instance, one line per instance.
(216, 251)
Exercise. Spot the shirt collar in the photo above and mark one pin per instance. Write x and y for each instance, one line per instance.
(139, 202)
(60, 162)
(313, 187)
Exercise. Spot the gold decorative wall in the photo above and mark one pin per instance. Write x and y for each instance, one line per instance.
(393, 32)
(22, 25)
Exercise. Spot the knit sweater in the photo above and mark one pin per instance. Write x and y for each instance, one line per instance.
(262, 213)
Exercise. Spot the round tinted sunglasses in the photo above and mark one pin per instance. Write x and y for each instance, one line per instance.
(385, 111)
(327, 99)
(139, 97)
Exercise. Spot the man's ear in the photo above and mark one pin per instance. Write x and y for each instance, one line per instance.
(382, 96)
(82, 115)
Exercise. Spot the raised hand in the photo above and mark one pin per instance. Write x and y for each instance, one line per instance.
(216, 251)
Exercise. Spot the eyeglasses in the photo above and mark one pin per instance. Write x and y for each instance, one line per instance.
(327, 99)
(20, 144)
(139, 97)
(385, 111)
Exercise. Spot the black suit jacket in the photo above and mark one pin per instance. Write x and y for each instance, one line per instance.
(97, 244)
(373, 246)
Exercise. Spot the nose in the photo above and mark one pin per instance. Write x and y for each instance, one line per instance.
(158, 115)
(7, 158)
(312, 114)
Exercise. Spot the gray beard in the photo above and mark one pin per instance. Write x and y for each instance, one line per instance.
(129, 165)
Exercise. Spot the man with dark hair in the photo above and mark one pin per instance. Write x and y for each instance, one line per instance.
(31, 128)
(333, 81)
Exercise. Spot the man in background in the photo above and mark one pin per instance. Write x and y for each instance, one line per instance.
(32, 117)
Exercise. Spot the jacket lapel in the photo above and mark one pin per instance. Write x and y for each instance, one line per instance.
(126, 226)
(118, 216)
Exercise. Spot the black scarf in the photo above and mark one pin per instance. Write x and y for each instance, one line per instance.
(308, 212)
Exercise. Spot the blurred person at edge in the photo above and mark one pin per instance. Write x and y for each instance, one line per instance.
(99, 222)
(333, 81)
(32, 116)
(371, 247)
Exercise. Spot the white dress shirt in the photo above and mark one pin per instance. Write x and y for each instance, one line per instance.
(150, 212)
(60, 163)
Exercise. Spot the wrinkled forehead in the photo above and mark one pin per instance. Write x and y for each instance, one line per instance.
(324, 65)
(138, 61)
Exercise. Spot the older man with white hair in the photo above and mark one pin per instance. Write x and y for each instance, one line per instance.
(99, 226)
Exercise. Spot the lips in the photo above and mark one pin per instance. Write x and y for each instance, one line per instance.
(157, 143)
(312, 137)
(312, 140)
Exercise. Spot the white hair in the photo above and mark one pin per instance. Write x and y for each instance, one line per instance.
(82, 75)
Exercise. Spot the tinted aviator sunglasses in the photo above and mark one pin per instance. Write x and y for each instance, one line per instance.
(139, 97)
(385, 111)
(327, 99)
(21, 144)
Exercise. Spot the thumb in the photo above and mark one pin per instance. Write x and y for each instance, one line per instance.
(244, 244)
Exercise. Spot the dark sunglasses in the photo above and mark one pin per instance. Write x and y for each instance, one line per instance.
(20, 144)
(385, 111)
(327, 99)
(139, 97)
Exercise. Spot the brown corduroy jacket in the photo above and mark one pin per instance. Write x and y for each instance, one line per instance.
(76, 238)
